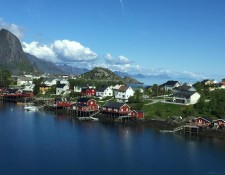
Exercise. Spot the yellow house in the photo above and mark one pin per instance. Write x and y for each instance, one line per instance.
(44, 88)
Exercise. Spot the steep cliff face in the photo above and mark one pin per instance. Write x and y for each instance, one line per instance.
(12, 56)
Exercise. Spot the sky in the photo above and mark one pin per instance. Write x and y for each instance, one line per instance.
(174, 38)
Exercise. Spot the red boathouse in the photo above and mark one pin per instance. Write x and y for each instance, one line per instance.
(137, 114)
(219, 122)
(200, 121)
(115, 109)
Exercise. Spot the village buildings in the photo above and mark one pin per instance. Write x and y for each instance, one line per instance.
(62, 89)
(170, 85)
(115, 109)
(104, 92)
(88, 91)
(124, 93)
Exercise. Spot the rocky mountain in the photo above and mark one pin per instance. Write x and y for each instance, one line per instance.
(12, 56)
(103, 74)
(72, 70)
(44, 66)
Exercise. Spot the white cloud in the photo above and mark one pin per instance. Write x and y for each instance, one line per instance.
(120, 60)
(72, 51)
(123, 60)
(40, 51)
(15, 29)
(60, 51)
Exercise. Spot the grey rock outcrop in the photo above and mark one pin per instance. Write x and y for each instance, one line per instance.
(12, 56)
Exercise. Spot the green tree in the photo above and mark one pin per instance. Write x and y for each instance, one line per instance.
(5, 77)
(188, 111)
(37, 83)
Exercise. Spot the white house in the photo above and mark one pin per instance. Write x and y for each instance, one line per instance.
(169, 85)
(62, 89)
(64, 81)
(186, 97)
(104, 92)
(29, 87)
(24, 80)
(183, 88)
(77, 88)
(53, 81)
(116, 89)
(124, 93)
(50, 81)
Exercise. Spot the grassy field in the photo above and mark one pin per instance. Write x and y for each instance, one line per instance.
(162, 110)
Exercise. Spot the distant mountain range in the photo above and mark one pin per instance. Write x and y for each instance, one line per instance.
(141, 76)
(52, 68)
(13, 58)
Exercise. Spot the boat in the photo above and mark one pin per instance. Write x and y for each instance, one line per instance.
(30, 108)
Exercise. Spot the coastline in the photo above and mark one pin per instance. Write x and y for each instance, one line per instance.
(151, 123)
(164, 125)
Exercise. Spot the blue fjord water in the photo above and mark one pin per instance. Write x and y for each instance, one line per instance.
(39, 143)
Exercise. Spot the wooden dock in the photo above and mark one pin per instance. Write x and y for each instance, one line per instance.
(79, 113)
(184, 129)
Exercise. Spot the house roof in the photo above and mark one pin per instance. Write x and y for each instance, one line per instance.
(183, 88)
(12, 91)
(83, 100)
(223, 119)
(101, 89)
(170, 83)
(184, 94)
(148, 87)
(123, 88)
(138, 111)
(60, 85)
(61, 99)
(206, 119)
(81, 105)
(44, 85)
(116, 87)
(223, 83)
(115, 105)
(207, 80)
(25, 78)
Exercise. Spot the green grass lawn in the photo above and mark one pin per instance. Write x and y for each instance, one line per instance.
(162, 110)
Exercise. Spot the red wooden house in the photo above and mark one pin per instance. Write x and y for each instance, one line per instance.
(85, 104)
(115, 109)
(219, 123)
(137, 114)
(200, 121)
(87, 91)
(63, 102)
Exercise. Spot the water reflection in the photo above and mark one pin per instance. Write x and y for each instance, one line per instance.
(46, 140)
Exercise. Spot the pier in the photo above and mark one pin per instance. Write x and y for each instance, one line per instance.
(82, 113)
(187, 130)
